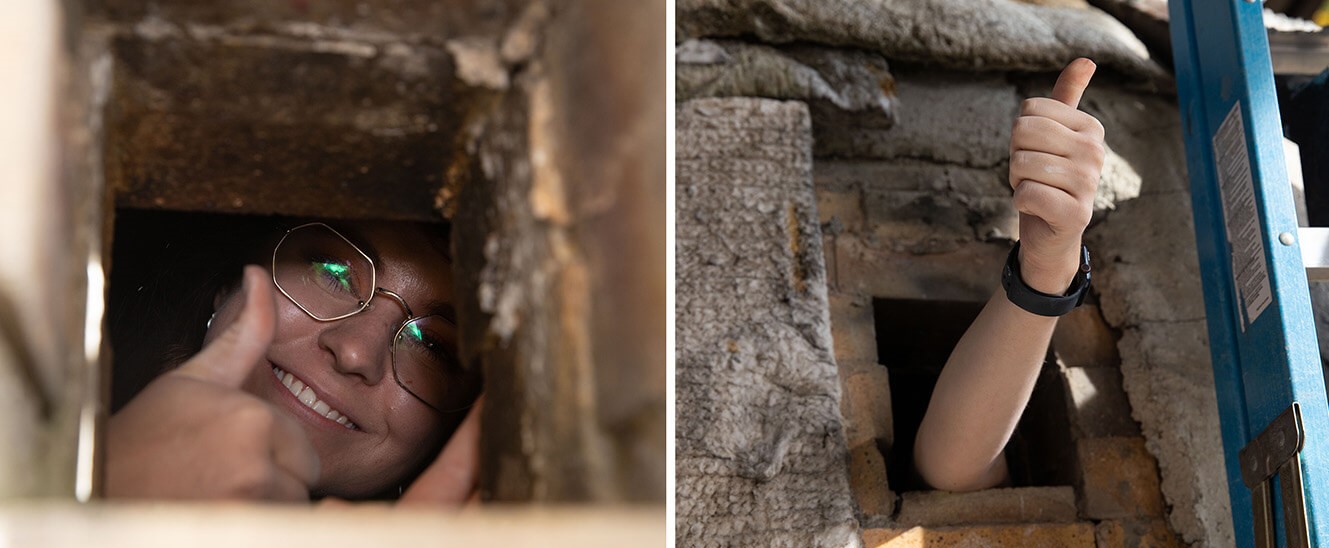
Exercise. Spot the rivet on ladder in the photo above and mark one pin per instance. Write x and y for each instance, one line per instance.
(1287, 238)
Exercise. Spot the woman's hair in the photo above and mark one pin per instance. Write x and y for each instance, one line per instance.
(167, 271)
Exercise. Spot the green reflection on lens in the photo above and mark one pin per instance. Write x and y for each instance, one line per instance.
(339, 272)
(414, 331)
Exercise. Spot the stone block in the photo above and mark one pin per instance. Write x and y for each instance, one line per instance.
(1083, 339)
(1068, 535)
(988, 506)
(885, 269)
(868, 481)
(976, 35)
(867, 406)
(842, 87)
(842, 205)
(1144, 131)
(853, 327)
(760, 452)
(1145, 262)
(1099, 408)
(1169, 380)
(1120, 479)
(1145, 533)
(935, 105)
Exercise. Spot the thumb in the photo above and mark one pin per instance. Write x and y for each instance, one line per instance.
(1074, 78)
(450, 479)
(229, 358)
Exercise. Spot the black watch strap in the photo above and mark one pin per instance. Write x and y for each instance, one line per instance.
(1040, 303)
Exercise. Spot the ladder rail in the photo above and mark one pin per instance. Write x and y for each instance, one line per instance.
(1264, 359)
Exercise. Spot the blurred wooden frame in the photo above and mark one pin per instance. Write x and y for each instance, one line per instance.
(565, 135)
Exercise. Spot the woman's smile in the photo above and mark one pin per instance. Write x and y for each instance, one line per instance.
(312, 399)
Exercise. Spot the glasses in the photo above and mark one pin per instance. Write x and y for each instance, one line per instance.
(331, 279)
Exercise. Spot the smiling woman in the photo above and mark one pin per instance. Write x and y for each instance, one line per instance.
(331, 370)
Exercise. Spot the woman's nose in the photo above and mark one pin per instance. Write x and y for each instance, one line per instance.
(361, 345)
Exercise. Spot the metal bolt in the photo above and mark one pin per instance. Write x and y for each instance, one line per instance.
(1287, 238)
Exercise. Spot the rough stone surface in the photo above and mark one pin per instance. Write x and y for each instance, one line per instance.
(946, 117)
(970, 34)
(1145, 263)
(853, 81)
(1147, 272)
(562, 300)
(1146, 275)
(1148, 19)
(1099, 407)
(1146, 155)
(867, 406)
(867, 476)
(952, 144)
(856, 336)
(1120, 479)
(989, 506)
(1083, 339)
(1067, 535)
(922, 211)
(1166, 373)
(760, 454)
(1144, 533)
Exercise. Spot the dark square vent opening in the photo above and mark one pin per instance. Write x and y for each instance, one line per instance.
(914, 339)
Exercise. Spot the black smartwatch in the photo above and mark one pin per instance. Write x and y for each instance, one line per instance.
(1036, 301)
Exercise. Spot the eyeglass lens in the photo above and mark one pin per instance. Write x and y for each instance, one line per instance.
(330, 278)
(322, 272)
(425, 361)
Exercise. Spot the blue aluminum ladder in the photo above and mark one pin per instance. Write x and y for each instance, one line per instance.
(1267, 372)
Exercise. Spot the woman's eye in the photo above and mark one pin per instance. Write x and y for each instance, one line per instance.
(336, 274)
(416, 336)
(427, 345)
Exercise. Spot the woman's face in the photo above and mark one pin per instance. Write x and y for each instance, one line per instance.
(348, 365)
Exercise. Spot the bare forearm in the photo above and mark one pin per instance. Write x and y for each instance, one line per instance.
(979, 397)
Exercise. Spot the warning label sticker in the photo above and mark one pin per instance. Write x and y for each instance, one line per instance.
(1249, 272)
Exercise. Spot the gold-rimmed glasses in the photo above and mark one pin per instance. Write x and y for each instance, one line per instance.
(330, 278)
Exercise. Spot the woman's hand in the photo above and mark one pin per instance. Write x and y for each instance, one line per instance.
(450, 480)
(1056, 157)
(192, 433)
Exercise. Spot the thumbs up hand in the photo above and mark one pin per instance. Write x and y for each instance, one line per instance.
(1056, 159)
(193, 433)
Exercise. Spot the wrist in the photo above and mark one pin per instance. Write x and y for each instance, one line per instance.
(1031, 299)
(1049, 275)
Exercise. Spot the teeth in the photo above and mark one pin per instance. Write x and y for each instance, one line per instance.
(307, 396)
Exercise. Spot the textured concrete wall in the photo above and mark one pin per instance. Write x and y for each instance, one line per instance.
(965, 34)
(559, 261)
(760, 454)
(1148, 286)
(920, 209)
